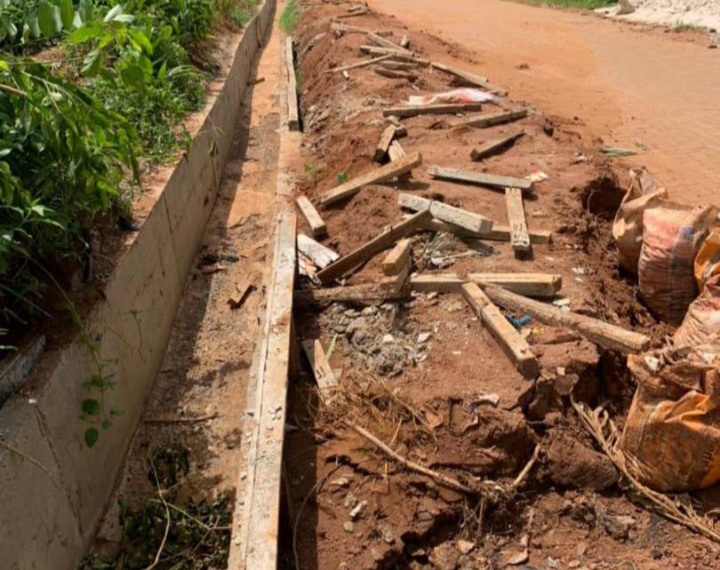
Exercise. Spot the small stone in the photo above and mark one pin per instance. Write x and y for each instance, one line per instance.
(388, 339)
(424, 516)
(357, 510)
(465, 546)
(341, 482)
(349, 526)
(387, 534)
(618, 526)
(424, 337)
(574, 564)
(581, 549)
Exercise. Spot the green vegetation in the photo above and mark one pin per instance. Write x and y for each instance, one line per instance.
(289, 18)
(87, 89)
(585, 4)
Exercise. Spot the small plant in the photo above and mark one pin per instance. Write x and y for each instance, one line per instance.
(289, 18)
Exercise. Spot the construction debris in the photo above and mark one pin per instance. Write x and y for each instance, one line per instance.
(438, 109)
(519, 235)
(469, 78)
(324, 375)
(480, 178)
(456, 216)
(492, 119)
(494, 146)
(312, 217)
(320, 255)
(398, 258)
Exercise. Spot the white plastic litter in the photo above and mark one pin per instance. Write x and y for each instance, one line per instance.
(465, 95)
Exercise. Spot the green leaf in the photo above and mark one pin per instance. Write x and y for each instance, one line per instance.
(114, 12)
(67, 13)
(91, 407)
(133, 76)
(47, 19)
(141, 41)
(91, 437)
(85, 33)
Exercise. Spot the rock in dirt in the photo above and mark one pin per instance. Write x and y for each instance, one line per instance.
(465, 546)
(618, 526)
(575, 367)
(574, 466)
(445, 557)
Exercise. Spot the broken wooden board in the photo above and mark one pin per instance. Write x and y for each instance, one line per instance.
(383, 42)
(469, 78)
(544, 285)
(382, 174)
(241, 293)
(259, 520)
(386, 138)
(519, 235)
(398, 258)
(436, 283)
(312, 217)
(450, 214)
(291, 85)
(320, 255)
(395, 74)
(396, 152)
(348, 29)
(365, 293)
(352, 14)
(324, 375)
(509, 339)
(398, 65)
(498, 232)
(492, 119)
(437, 109)
(359, 64)
(494, 146)
(604, 334)
(383, 241)
(377, 51)
(480, 178)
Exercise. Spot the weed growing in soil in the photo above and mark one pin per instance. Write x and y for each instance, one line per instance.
(166, 535)
(289, 18)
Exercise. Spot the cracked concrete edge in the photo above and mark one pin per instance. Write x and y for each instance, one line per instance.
(53, 489)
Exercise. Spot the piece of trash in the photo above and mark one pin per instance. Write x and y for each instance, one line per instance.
(579, 271)
(466, 95)
(519, 322)
(538, 176)
(563, 302)
(617, 152)
(342, 177)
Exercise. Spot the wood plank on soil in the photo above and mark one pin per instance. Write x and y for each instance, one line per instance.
(396, 151)
(383, 241)
(545, 285)
(383, 42)
(469, 78)
(312, 216)
(375, 176)
(506, 335)
(450, 214)
(494, 146)
(435, 109)
(359, 64)
(480, 178)
(398, 258)
(320, 255)
(492, 119)
(519, 235)
(324, 375)
(498, 233)
(293, 111)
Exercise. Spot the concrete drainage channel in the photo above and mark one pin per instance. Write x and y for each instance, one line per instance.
(53, 489)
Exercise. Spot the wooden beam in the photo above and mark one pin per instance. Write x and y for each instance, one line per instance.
(398, 65)
(398, 258)
(491, 119)
(529, 284)
(359, 64)
(320, 255)
(383, 241)
(382, 42)
(383, 145)
(259, 515)
(396, 74)
(494, 146)
(352, 14)
(375, 50)
(436, 283)
(498, 233)
(312, 217)
(347, 28)
(450, 214)
(509, 339)
(396, 152)
(291, 84)
(324, 375)
(480, 178)
(519, 235)
(604, 334)
(365, 293)
(469, 78)
(438, 109)
(382, 174)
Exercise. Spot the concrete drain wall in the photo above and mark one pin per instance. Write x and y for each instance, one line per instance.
(53, 489)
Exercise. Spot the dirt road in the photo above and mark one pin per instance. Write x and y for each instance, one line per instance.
(624, 83)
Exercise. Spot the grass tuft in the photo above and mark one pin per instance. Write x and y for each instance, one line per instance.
(289, 18)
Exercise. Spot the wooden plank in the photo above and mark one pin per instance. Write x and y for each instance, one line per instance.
(396, 152)
(365, 293)
(383, 145)
(398, 65)
(494, 146)
(383, 42)
(498, 233)
(509, 339)
(324, 375)
(291, 84)
(352, 14)
(359, 64)
(376, 51)
(349, 29)
(604, 334)
(492, 119)
(241, 293)
(446, 213)
(320, 255)
(398, 258)
(382, 174)
(469, 78)
(480, 178)
(436, 283)
(260, 515)
(312, 216)
(519, 235)
(438, 109)
(529, 284)
(373, 247)
(393, 74)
